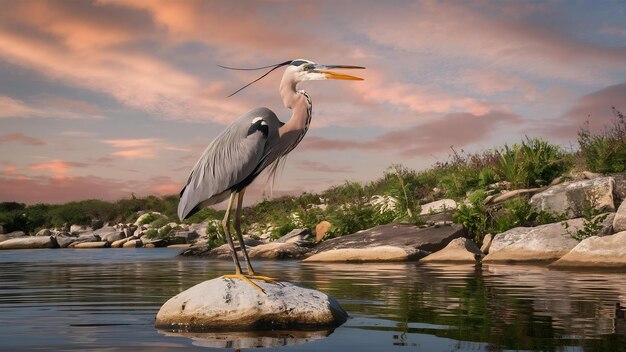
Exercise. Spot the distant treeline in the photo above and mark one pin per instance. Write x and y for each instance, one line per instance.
(29, 218)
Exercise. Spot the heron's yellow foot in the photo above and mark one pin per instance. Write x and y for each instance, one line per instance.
(266, 279)
(247, 278)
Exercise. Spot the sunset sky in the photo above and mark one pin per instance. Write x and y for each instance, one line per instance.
(99, 99)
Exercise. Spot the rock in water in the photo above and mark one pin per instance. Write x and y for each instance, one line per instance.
(235, 305)
(598, 252)
(460, 250)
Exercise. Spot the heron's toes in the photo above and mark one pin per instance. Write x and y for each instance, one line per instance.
(246, 279)
(266, 279)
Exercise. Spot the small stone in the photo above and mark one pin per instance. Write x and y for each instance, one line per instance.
(486, 243)
(91, 245)
(295, 236)
(119, 243)
(321, 229)
(44, 232)
(133, 244)
(438, 206)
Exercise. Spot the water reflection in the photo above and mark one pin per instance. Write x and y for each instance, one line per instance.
(251, 339)
(107, 299)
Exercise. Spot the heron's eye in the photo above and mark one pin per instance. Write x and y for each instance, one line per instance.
(305, 67)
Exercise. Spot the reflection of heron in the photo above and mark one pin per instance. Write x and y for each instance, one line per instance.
(252, 143)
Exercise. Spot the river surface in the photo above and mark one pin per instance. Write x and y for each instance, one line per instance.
(106, 300)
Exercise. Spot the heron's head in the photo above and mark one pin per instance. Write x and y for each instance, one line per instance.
(300, 70)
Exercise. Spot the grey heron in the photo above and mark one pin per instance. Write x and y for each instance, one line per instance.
(256, 141)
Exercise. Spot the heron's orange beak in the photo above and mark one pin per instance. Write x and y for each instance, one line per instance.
(325, 69)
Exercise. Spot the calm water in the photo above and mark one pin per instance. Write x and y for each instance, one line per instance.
(81, 300)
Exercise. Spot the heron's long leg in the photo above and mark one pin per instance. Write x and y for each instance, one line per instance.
(237, 226)
(226, 226)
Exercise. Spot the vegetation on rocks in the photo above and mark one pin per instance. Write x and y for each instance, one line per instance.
(395, 197)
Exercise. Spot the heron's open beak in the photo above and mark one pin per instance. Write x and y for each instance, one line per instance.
(325, 69)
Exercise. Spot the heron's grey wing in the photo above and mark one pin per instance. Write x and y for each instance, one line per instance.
(231, 158)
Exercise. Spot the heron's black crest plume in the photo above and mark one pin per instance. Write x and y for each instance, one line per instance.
(253, 69)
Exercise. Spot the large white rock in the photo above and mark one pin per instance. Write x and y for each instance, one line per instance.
(28, 242)
(459, 250)
(541, 243)
(606, 251)
(438, 206)
(573, 197)
(233, 304)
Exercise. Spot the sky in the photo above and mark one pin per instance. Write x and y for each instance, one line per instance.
(107, 98)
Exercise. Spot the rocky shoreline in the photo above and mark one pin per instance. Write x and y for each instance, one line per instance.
(553, 244)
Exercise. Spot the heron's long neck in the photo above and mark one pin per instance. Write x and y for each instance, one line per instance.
(300, 104)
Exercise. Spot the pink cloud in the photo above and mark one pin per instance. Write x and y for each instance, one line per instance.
(478, 33)
(58, 168)
(10, 107)
(594, 107)
(9, 169)
(309, 165)
(20, 138)
(60, 190)
(430, 137)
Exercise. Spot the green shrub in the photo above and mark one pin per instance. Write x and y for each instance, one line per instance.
(473, 216)
(514, 213)
(148, 219)
(159, 222)
(606, 152)
(532, 163)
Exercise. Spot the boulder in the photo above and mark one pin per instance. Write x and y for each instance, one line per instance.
(598, 252)
(200, 228)
(119, 243)
(233, 304)
(64, 239)
(486, 243)
(438, 206)
(85, 237)
(78, 229)
(109, 234)
(224, 252)
(620, 187)
(391, 242)
(459, 250)
(133, 244)
(186, 236)
(10, 235)
(91, 245)
(278, 250)
(573, 197)
(619, 222)
(537, 244)
(295, 236)
(44, 232)
(321, 229)
(28, 242)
